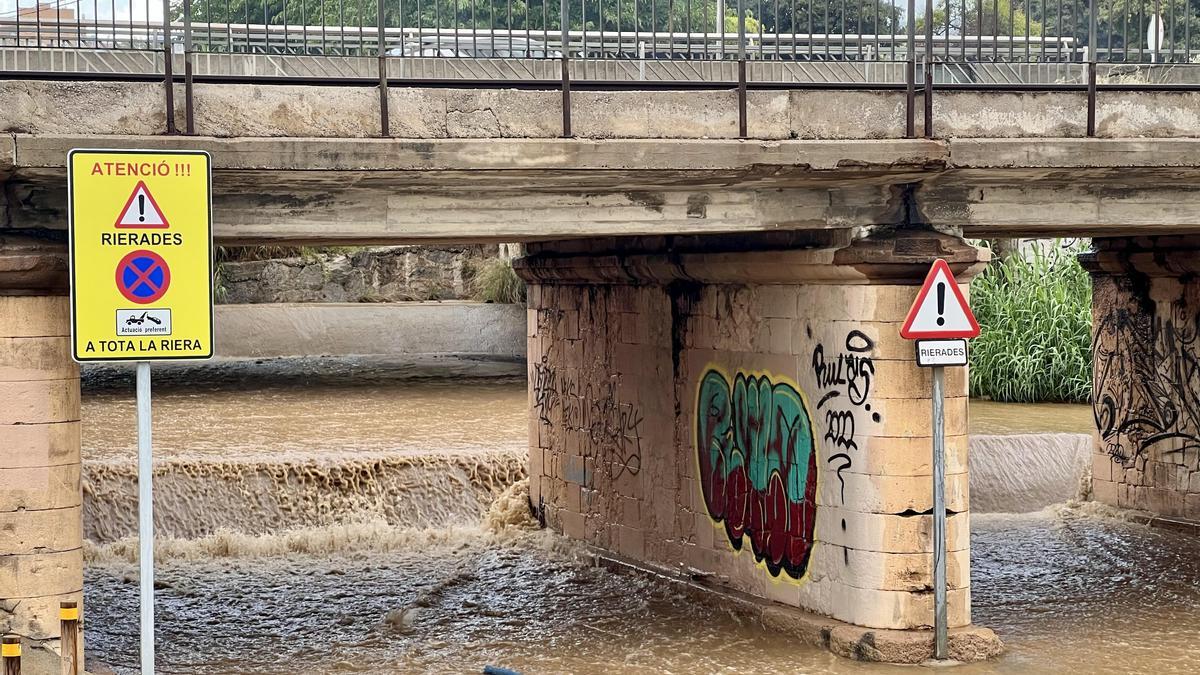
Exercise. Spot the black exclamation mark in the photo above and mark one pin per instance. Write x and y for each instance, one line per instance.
(941, 291)
(141, 208)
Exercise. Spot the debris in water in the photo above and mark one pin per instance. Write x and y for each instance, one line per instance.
(401, 620)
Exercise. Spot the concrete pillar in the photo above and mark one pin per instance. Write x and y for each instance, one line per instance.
(753, 418)
(1146, 373)
(41, 528)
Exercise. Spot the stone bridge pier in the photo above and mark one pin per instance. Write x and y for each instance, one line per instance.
(1146, 373)
(41, 523)
(742, 412)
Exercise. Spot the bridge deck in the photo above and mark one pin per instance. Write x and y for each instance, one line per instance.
(360, 191)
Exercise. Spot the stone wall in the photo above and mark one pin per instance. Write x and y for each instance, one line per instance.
(391, 274)
(1146, 381)
(41, 524)
(750, 418)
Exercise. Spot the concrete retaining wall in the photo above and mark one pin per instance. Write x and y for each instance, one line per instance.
(310, 329)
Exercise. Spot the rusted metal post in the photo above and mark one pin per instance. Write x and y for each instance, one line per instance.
(1091, 70)
(71, 657)
(168, 75)
(1091, 99)
(385, 126)
(929, 68)
(564, 20)
(188, 117)
(741, 89)
(910, 74)
(743, 132)
(10, 653)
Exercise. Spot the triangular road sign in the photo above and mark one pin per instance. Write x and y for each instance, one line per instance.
(940, 310)
(141, 211)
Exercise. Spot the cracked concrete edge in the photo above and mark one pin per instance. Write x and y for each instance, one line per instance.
(395, 154)
(1102, 153)
(966, 643)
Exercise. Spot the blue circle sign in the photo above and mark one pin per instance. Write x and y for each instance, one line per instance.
(143, 277)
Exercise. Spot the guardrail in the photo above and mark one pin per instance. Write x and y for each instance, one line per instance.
(1069, 45)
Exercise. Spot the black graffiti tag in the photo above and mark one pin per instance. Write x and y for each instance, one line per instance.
(612, 426)
(1147, 375)
(846, 376)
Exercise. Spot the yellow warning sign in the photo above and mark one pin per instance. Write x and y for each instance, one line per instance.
(141, 255)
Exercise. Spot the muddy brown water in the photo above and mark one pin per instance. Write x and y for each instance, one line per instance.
(989, 417)
(1069, 589)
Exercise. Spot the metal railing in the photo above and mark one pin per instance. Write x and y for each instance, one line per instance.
(795, 30)
(1065, 44)
(324, 40)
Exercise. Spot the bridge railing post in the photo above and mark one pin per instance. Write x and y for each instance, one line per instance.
(928, 67)
(168, 75)
(564, 20)
(910, 74)
(188, 116)
(741, 68)
(1091, 69)
(381, 50)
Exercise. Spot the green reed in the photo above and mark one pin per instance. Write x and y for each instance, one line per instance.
(1035, 315)
(498, 282)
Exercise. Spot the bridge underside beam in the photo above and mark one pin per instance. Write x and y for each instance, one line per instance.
(376, 191)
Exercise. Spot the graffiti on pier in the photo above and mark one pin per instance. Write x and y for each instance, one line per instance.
(612, 428)
(1147, 373)
(758, 470)
(844, 379)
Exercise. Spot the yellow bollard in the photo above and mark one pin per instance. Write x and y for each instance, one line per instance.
(68, 617)
(10, 653)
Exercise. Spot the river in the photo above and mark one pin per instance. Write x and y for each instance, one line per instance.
(446, 575)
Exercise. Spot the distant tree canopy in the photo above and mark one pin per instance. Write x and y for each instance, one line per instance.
(982, 17)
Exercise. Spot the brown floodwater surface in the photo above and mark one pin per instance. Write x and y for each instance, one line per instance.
(382, 582)
(989, 417)
(261, 418)
(1067, 593)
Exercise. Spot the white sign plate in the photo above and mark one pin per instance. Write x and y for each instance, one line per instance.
(932, 353)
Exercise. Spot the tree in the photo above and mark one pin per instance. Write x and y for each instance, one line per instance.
(982, 17)
(1121, 28)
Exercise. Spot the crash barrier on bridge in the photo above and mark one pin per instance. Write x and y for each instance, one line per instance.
(1068, 46)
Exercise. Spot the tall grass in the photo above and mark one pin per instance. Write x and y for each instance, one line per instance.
(1035, 315)
(498, 282)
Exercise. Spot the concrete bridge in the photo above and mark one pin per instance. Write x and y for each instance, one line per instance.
(718, 389)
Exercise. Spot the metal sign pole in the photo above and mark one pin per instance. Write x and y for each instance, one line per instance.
(940, 321)
(145, 517)
(939, 515)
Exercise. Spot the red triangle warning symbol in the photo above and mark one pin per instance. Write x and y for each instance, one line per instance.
(940, 310)
(141, 211)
